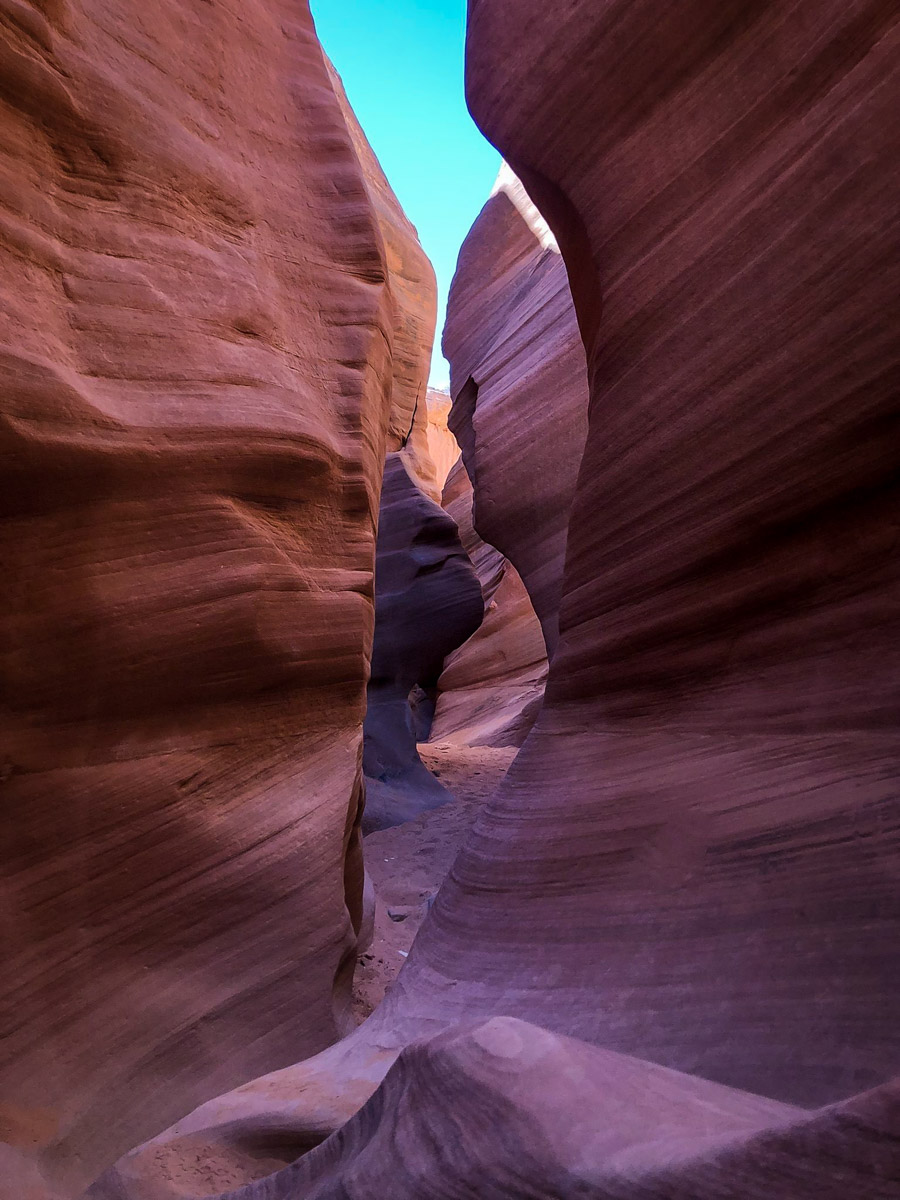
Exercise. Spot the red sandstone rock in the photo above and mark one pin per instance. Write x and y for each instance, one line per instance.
(201, 346)
(443, 447)
(413, 297)
(519, 390)
(427, 602)
(553, 1118)
(707, 805)
(694, 857)
(491, 688)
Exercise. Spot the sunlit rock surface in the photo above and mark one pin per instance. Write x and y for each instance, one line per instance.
(427, 602)
(520, 393)
(214, 313)
(443, 447)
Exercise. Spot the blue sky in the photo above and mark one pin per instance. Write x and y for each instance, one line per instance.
(402, 66)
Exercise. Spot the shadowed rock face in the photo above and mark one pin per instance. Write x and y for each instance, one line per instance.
(201, 348)
(491, 688)
(550, 1117)
(427, 602)
(694, 857)
(545, 1116)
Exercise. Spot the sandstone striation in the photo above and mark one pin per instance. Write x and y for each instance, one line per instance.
(707, 807)
(553, 1118)
(427, 602)
(414, 300)
(691, 867)
(519, 388)
(216, 320)
(491, 688)
(443, 448)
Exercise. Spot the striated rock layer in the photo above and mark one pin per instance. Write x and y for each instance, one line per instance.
(427, 602)
(491, 688)
(703, 826)
(548, 1118)
(519, 388)
(414, 299)
(443, 448)
(213, 311)
(693, 861)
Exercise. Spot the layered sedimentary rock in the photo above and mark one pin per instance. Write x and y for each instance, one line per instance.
(693, 860)
(715, 778)
(552, 1118)
(427, 602)
(519, 387)
(426, 593)
(201, 349)
(491, 688)
(443, 448)
(413, 294)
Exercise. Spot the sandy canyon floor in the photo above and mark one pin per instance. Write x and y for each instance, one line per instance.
(408, 863)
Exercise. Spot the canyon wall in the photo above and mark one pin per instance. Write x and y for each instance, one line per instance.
(491, 688)
(703, 826)
(692, 865)
(427, 602)
(443, 448)
(519, 387)
(216, 321)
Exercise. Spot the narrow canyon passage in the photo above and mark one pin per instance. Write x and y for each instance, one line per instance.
(409, 862)
(416, 792)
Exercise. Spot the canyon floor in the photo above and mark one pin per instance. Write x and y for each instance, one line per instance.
(409, 862)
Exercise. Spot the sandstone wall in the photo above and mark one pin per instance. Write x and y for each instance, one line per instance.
(203, 355)
(694, 857)
(491, 688)
(705, 828)
(443, 447)
(427, 602)
(519, 390)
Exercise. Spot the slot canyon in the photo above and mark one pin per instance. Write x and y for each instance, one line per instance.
(413, 794)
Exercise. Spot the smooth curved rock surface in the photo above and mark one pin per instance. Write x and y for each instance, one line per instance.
(427, 602)
(491, 688)
(707, 806)
(694, 857)
(519, 386)
(443, 448)
(560, 1118)
(544, 1117)
(413, 294)
(201, 348)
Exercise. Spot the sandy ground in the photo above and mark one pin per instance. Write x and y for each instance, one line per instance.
(408, 863)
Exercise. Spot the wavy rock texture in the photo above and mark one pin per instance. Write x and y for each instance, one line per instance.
(201, 350)
(519, 388)
(426, 593)
(709, 811)
(443, 448)
(427, 602)
(550, 1117)
(694, 857)
(414, 294)
(491, 688)
(545, 1117)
